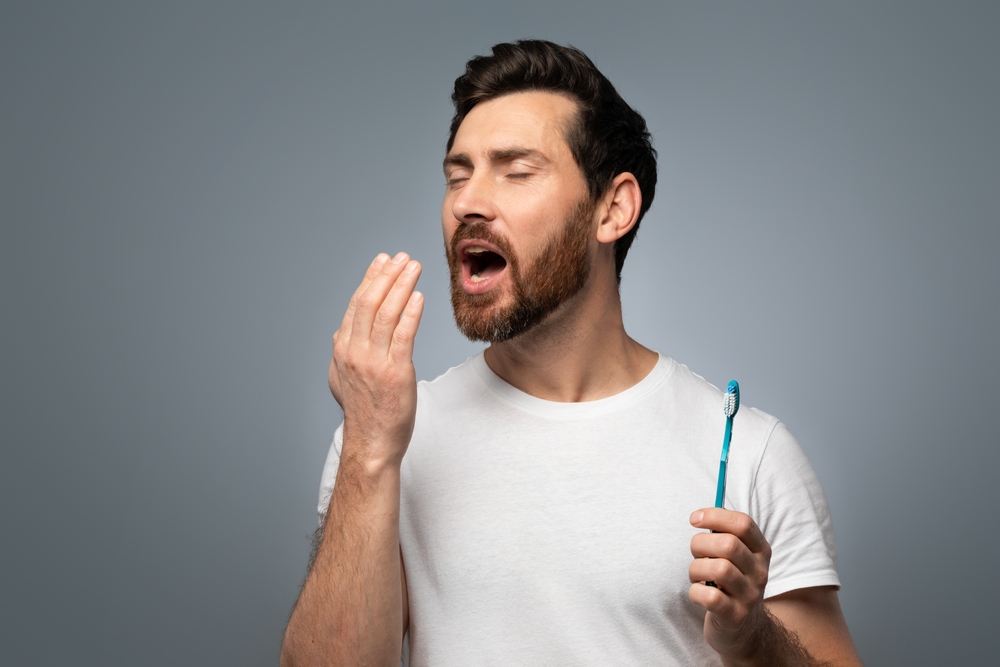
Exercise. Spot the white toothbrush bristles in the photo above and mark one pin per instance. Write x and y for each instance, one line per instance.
(730, 404)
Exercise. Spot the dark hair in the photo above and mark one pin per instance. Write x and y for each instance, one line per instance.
(608, 138)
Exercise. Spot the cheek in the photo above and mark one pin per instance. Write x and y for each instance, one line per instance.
(448, 222)
(528, 230)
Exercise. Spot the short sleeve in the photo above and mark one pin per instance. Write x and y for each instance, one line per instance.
(330, 473)
(790, 507)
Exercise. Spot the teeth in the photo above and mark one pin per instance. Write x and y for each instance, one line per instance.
(476, 250)
(477, 278)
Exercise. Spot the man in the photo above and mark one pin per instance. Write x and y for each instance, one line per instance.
(539, 504)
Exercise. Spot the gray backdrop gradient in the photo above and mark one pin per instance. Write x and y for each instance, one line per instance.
(191, 191)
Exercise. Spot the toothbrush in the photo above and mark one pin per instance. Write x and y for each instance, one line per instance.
(730, 405)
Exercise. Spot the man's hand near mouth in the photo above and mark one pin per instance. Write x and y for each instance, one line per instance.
(371, 374)
(353, 606)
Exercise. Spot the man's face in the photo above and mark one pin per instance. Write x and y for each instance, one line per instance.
(517, 217)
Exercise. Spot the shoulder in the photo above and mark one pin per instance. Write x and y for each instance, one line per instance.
(692, 395)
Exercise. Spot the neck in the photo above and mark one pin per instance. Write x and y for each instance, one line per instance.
(580, 352)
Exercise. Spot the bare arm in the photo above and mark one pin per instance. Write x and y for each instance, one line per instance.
(803, 628)
(353, 608)
(814, 619)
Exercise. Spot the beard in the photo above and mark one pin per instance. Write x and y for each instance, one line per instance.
(556, 275)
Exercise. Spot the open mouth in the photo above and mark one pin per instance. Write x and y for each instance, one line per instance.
(481, 265)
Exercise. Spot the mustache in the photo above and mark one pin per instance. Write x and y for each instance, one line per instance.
(480, 231)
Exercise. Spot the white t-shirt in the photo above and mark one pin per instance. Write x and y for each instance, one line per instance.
(543, 533)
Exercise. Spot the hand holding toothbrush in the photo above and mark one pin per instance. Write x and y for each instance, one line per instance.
(729, 575)
(736, 557)
(729, 572)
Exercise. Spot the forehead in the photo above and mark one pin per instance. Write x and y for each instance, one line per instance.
(536, 120)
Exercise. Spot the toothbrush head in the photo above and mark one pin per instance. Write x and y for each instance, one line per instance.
(732, 400)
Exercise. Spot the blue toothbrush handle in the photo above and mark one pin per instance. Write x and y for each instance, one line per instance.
(720, 489)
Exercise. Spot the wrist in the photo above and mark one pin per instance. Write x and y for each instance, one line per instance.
(374, 454)
(370, 465)
(750, 644)
(765, 641)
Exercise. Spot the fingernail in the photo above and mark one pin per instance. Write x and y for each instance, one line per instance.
(380, 259)
(411, 267)
(399, 258)
(697, 517)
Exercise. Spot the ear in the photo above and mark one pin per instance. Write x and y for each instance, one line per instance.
(619, 208)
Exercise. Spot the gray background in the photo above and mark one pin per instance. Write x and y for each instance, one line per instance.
(190, 192)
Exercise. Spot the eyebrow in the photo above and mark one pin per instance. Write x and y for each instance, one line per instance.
(495, 155)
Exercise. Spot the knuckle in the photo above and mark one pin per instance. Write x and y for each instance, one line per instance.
(383, 318)
(713, 596)
(343, 345)
(401, 335)
(761, 572)
(731, 546)
(352, 361)
(719, 568)
(742, 523)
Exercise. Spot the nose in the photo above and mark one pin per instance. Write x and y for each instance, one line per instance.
(474, 200)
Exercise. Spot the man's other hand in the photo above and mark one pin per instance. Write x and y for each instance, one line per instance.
(803, 627)
(736, 558)
(371, 374)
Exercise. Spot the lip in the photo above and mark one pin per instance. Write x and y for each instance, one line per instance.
(486, 284)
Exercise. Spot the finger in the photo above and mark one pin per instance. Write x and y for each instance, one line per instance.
(734, 523)
(371, 300)
(373, 270)
(387, 317)
(712, 599)
(724, 546)
(402, 339)
(724, 574)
